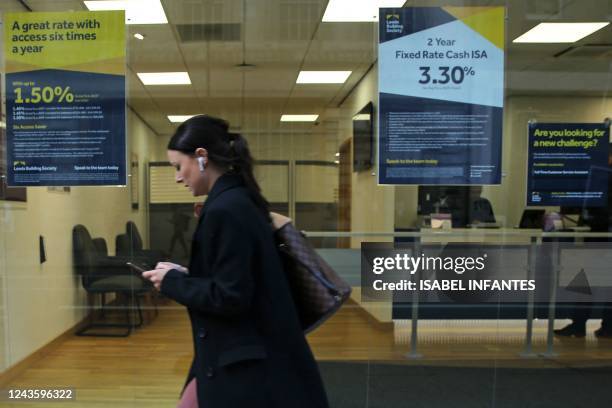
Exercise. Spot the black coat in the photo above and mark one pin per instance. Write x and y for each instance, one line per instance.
(249, 347)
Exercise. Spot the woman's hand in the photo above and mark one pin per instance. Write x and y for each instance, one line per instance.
(170, 265)
(156, 276)
(278, 220)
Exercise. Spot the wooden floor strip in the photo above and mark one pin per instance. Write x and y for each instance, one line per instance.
(148, 368)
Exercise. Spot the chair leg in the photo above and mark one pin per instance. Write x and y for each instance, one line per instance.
(128, 311)
(87, 330)
(139, 311)
(103, 309)
(136, 300)
(134, 303)
(154, 300)
(151, 298)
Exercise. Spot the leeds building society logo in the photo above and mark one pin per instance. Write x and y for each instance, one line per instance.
(393, 23)
(18, 164)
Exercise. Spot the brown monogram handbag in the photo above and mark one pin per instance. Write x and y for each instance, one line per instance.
(317, 290)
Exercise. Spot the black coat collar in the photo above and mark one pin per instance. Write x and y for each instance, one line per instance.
(225, 182)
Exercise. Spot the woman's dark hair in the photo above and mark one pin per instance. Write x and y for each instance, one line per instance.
(228, 151)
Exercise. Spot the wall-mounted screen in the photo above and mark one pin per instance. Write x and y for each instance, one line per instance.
(363, 138)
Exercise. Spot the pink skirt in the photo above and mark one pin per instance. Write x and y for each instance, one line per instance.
(189, 399)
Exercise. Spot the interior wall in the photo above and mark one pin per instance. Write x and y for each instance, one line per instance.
(3, 297)
(372, 205)
(406, 203)
(29, 288)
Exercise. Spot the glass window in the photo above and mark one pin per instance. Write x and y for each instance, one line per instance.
(450, 131)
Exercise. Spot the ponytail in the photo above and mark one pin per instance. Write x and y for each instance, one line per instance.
(242, 164)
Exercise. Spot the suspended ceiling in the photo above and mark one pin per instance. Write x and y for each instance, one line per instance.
(209, 38)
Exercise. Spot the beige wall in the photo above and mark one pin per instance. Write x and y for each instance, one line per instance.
(372, 205)
(3, 297)
(42, 301)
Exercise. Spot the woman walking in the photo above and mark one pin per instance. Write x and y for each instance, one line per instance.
(249, 347)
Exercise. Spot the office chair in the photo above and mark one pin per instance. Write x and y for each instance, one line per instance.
(101, 247)
(102, 274)
(130, 245)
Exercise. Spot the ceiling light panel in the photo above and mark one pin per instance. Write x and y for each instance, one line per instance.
(164, 78)
(136, 11)
(179, 118)
(298, 118)
(559, 32)
(323, 77)
(362, 116)
(356, 10)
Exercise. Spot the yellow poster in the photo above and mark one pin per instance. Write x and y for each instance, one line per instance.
(65, 86)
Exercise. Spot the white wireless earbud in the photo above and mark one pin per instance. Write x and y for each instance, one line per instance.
(201, 164)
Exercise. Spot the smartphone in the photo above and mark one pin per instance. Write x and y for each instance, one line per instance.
(135, 267)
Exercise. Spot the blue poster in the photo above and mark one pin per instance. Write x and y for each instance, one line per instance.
(568, 164)
(65, 98)
(441, 95)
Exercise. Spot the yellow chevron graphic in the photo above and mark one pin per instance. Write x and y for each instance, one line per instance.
(487, 21)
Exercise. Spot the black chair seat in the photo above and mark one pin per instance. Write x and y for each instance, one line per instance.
(120, 283)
